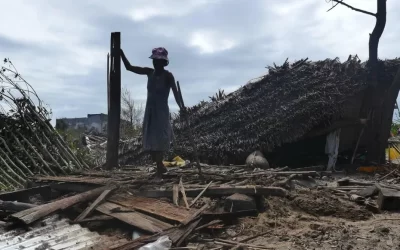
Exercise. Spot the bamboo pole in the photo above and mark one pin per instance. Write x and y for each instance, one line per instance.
(15, 158)
(38, 155)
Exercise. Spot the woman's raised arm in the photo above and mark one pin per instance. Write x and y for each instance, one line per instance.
(135, 69)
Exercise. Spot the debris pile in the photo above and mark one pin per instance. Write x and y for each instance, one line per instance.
(28, 143)
(129, 149)
(230, 207)
(278, 108)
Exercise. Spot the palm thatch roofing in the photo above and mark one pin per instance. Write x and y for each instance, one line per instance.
(278, 108)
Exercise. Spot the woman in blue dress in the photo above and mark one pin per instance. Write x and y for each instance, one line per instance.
(157, 130)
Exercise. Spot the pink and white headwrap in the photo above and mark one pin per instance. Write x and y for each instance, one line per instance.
(159, 53)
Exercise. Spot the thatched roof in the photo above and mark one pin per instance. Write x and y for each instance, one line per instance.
(278, 108)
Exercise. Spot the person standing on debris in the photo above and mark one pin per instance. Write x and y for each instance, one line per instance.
(157, 130)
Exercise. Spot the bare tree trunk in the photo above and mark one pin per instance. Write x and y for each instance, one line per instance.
(375, 94)
(374, 39)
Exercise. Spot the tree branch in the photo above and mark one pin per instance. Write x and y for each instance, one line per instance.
(351, 7)
(334, 6)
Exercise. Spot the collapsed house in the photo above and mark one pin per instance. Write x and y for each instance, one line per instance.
(288, 112)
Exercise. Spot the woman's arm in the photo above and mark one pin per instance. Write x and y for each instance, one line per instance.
(175, 90)
(135, 69)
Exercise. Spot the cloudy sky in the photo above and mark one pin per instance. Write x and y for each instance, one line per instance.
(60, 47)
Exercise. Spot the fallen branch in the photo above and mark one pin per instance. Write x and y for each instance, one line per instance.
(93, 206)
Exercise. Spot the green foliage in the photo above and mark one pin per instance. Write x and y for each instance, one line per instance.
(73, 138)
(61, 125)
(395, 127)
(128, 131)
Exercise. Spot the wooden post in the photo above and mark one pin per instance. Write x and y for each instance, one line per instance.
(114, 102)
(108, 82)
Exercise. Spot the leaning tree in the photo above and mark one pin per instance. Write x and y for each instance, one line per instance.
(380, 96)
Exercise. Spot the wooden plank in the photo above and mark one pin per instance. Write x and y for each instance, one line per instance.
(199, 196)
(114, 108)
(90, 208)
(182, 188)
(175, 194)
(102, 217)
(188, 231)
(220, 191)
(152, 206)
(211, 223)
(33, 214)
(73, 179)
(133, 218)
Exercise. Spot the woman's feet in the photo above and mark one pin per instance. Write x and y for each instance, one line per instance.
(161, 169)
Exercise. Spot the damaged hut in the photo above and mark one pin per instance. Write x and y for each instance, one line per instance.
(286, 114)
(28, 142)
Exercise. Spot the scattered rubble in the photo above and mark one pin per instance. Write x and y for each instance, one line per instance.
(222, 211)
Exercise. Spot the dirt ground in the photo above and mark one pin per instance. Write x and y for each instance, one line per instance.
(317, 219)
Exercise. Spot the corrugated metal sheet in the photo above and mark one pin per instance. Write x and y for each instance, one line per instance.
(52, 233)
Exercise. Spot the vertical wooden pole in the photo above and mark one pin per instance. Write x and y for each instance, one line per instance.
(114, 102)
(108, 83)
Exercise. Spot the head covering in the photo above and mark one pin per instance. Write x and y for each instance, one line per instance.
(159, 53)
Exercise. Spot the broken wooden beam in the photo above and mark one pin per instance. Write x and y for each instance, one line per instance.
(188, 231)
(220, 191)
(182, 189)
(33, 214)
(92, 207)
(133, 218)
(175, 194)
(102, 217)
(15, 206)
(199, 196)
(152, 207)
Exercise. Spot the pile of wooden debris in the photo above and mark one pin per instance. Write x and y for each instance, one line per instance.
(134, 208)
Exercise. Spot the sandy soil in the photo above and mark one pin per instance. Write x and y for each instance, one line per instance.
(318, 220)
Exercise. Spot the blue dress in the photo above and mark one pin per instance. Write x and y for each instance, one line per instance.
(157, 130)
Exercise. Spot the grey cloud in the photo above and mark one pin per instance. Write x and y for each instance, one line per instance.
(263, 37)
